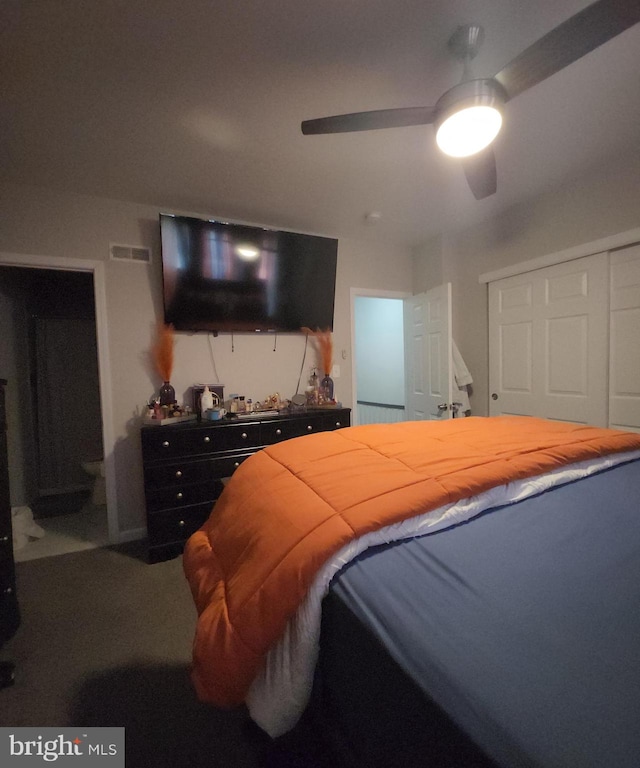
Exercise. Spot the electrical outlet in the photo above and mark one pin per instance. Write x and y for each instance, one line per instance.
(335, 372)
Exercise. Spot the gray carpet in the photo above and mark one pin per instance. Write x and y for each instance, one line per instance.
(106, 640)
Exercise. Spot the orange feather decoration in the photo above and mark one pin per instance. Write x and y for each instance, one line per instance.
(324, 344)
(162, 352)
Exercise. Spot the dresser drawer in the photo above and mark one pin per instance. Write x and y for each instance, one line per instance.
(183, 495)
(172, 442)
(308, 424)
(284, 430)
(330, 421)
(6, 542)
(6, 546)
(176, 525)
(9, 610)
(233, 437)
(7, 580)
(185, 472)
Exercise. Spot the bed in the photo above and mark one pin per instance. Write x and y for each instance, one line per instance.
(494, 589)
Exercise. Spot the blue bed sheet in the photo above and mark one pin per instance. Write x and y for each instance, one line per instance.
(522, 624)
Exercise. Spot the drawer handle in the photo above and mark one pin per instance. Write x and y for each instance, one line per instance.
(179, 495)
(207, 439)
(338, 424)
(179, 473)
(181, 523)
(4, 538)
(278, 432)
(8, 590)
(309, 428)
(244, 435)
(236, 464)
(165, 444)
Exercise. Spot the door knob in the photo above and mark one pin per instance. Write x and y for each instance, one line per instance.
(494, 396)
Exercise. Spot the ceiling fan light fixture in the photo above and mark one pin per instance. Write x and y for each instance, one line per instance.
(468, 131)
(469, 117)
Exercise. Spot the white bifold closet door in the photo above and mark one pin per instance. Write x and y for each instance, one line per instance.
(564, 341)
(548, 342)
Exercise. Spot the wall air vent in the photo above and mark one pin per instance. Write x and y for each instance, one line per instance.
(130, 253)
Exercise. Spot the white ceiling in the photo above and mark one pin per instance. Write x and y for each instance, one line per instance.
(195, 105)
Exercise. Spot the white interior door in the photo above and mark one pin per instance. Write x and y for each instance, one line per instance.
(427, 339)
(624, 354)
(548, 342)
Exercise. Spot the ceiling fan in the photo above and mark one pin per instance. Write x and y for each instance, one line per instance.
(468, 116)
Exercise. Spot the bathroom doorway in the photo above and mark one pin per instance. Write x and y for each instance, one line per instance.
(58, 425)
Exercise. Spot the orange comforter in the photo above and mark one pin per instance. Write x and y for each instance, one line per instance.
(289, 507)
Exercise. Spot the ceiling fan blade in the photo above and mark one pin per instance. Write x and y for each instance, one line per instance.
(480, 170)
(582, 33)
(369, 121)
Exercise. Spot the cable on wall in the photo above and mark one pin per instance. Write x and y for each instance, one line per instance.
(213, 359)
(304, 357)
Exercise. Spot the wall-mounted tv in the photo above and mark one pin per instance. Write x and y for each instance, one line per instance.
(220, 276)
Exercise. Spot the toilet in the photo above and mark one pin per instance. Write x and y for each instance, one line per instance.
(96, 470)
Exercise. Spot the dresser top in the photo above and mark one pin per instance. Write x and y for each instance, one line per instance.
(245, 419)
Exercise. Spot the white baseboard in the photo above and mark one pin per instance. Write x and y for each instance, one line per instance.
(133, 534)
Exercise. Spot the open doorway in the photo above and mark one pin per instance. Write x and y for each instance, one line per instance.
(50, 355)
(378, 355)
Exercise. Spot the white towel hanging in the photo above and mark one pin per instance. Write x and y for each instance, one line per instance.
(461, 379)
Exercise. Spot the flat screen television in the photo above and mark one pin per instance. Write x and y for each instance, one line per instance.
(220, 276)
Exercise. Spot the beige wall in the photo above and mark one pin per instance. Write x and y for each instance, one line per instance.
(427, 265)
(601, 203)
(44, 223)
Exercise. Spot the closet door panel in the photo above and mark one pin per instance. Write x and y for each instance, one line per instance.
(548, 339)
(511, 338)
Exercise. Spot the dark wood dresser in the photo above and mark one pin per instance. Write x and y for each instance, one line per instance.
(9, 613)
(185, 465)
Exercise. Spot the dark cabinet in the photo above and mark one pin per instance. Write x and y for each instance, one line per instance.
(185, 465)
(9, 614)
